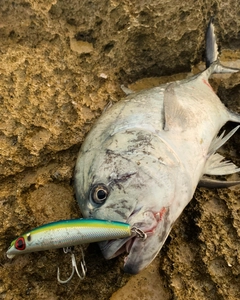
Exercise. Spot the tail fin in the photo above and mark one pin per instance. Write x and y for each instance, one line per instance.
(212, 62)
(211, 44)
(234, 117)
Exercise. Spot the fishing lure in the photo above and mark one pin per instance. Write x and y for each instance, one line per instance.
(62, 234)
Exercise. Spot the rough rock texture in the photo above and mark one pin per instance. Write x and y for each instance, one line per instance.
(61, 63)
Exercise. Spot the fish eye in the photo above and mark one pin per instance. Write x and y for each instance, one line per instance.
(20, 243)
(99, 193)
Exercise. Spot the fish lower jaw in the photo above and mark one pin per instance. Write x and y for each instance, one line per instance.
(151, 221)
(157, 217)
(129, 244)
(136, 247)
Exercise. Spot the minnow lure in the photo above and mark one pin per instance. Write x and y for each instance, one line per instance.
(67, 233)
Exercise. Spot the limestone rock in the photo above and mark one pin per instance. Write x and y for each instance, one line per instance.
(62, 62)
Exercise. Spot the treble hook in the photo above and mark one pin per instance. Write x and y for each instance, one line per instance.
(74, 266)
(141, 234)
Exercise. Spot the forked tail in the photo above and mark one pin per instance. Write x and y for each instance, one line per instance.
(215, 164)
(212, 60)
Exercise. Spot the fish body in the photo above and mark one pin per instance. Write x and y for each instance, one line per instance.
(67, 233)
(145, 156)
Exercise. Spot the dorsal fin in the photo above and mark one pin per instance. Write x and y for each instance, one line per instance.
(126, 90)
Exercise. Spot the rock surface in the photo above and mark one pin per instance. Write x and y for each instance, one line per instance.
(62, 62)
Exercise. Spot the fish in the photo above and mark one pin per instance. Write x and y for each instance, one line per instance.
(145, 156)
(67, 233)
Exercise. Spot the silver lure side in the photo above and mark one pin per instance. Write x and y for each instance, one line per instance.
(67, 233)
(145, 156)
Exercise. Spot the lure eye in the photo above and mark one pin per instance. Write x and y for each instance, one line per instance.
(99, 194)
(20, 243)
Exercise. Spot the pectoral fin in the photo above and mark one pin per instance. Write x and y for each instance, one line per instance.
(175, 115)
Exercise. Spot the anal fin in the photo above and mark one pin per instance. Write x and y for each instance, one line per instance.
(216, 184)
(220, 140)
(216, 166)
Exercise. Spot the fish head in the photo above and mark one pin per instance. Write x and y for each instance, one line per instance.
(130, 184)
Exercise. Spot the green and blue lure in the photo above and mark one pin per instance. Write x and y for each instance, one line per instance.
(67, 233)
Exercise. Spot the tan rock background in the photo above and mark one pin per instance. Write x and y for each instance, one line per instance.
(61, 63)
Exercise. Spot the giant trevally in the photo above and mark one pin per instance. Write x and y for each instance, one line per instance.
(145, 156)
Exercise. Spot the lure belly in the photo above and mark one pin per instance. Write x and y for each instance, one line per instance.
(67, 233)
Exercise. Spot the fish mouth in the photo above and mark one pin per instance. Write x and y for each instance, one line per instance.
(140, 252)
